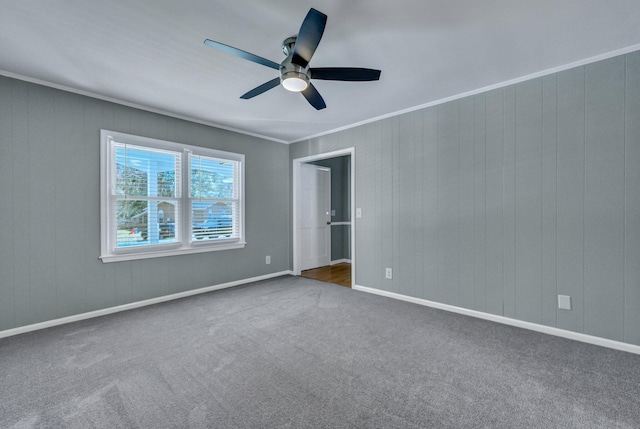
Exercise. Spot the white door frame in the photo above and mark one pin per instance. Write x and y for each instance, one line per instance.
(296, 182)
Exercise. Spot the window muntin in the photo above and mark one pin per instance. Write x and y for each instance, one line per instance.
(162, 198)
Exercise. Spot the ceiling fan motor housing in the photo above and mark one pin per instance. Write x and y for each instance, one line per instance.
(288, 44)
(290, 71)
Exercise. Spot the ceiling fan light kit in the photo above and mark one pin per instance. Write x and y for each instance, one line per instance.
(295, 82)
(295, 73)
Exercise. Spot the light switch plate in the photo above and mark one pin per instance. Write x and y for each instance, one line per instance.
(358, 212)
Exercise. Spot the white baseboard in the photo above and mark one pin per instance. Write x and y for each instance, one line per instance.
(340, 261)
(618, 345)
(130, 306)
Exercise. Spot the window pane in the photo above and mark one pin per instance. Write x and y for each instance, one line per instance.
(213, 178)
(212, 220)
(142, 222)
(167, 183)
(141, 172)
(167, 221)
(132, 218)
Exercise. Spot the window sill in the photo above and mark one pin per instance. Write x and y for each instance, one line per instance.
(170, 252)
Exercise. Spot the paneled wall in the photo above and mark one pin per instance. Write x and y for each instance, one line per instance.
(500, 201)
(50, 201)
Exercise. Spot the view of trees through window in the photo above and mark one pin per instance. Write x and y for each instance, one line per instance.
(212, 188)
(211, 178)
(151, 176)
(145, 185)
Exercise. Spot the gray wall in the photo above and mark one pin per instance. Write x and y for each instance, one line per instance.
(49, 208)
(340, 202)
(500, 201)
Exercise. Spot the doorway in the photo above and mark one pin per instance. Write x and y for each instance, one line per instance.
(336, 218)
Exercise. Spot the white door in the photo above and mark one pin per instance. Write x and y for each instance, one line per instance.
(314, 208)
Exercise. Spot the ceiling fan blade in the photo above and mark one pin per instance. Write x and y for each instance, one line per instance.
(308, 37)
(242, 54)
(262, 88)
(313, 97)
(352, 74)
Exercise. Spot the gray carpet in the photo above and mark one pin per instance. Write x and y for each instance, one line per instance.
(296, 353)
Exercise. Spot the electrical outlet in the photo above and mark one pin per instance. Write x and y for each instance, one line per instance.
(564, 302)
(268, 259)
(388, 273)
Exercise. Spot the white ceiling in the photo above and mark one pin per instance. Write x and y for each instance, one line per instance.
(150, 53)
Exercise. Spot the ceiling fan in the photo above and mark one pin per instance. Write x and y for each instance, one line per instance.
(295, 73)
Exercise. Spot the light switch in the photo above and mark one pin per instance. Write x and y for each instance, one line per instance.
(358, 212)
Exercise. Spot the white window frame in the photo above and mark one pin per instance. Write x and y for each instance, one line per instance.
(185, 243)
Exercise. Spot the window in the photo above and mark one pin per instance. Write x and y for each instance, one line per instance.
(161, 198)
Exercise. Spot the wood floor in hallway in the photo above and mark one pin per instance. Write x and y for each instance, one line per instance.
(339, 274)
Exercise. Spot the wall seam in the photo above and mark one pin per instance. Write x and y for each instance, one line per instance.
(515, 202)
(13, 212)
(542, 205)
(502, 242)
(624, 209)
(28, 196)
(484, 99)
(459, 178)
(584, 194)
(419, 142)
(502, 195)
(439, 257)
(556, 198)
(475, 235)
